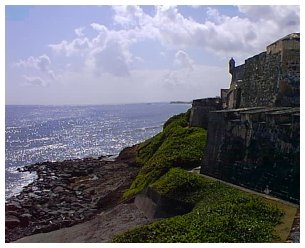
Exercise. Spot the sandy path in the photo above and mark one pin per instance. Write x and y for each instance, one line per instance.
(101, 229)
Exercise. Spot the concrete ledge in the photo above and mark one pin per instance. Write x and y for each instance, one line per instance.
(155, 206)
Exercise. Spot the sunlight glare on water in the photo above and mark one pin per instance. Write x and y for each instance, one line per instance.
(51, 133)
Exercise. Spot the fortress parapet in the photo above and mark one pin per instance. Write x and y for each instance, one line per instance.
(254, 127)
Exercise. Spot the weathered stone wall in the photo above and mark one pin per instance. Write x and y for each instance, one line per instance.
(270, 78)
(156, 206)
(238, 73)
(257, 148)
(289, 42)
(254, 140)
(259, 87)
(200, 110)
(289, 80)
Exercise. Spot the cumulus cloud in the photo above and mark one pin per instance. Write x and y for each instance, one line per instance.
(107, 62)
(79, 31)
(128, 15)
(34, 81)
(77, 46)
(239, 36)
(110, 51)
(272, 22)
(109, 59)
(183, 60)
(281, 15)
(41, 64)
(99, 27)
(221, 34)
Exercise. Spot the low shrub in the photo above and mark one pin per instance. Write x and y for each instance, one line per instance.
(176, 146)
(221, 214)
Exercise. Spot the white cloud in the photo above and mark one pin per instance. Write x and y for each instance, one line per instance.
(225, 35)
(98, 27)
(110, 50)
(272, 22)
(51, 75)
(182, 59)
(239, 36)
(42, 62)
(128, 15)
(34, 81)
(79, 31)
(221, 34)
(109, 59)
(77, 46)
(281, 15)
(106, 64)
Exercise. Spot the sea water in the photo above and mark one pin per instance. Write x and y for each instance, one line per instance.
(52, 133)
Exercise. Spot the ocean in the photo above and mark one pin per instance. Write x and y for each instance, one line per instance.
(51, 133)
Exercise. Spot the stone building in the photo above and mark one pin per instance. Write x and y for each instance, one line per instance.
(271, 78)
(254, 127)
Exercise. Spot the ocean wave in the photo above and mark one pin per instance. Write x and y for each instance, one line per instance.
(47, 147)
(143, 129)
(39, 139)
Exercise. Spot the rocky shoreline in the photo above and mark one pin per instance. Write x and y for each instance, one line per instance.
(67, 193)
(80, 201)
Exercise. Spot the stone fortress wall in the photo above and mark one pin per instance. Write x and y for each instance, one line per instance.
(271, 78)
(254, 127)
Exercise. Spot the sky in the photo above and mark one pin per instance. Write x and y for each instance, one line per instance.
(130, 54)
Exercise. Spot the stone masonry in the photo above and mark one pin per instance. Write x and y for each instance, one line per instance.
(257, 147)
(271, 78)
(254, 127)
(200, 111)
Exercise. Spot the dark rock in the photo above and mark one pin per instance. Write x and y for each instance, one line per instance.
(64, 194)
(24, 219)
(65, 175)
(11, 221)
(13, 206)
(58, 189)
(14, 213)
(128, 155)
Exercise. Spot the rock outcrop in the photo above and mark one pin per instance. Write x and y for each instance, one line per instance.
(66, 193)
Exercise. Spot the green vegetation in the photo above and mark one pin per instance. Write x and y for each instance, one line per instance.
(221, 213)
(176, 146)
(183, 186)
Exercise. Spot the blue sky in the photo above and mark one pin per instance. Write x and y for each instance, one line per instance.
(126, 54)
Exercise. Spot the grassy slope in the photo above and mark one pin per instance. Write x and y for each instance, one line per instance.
(221, 213)
(176, 146)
